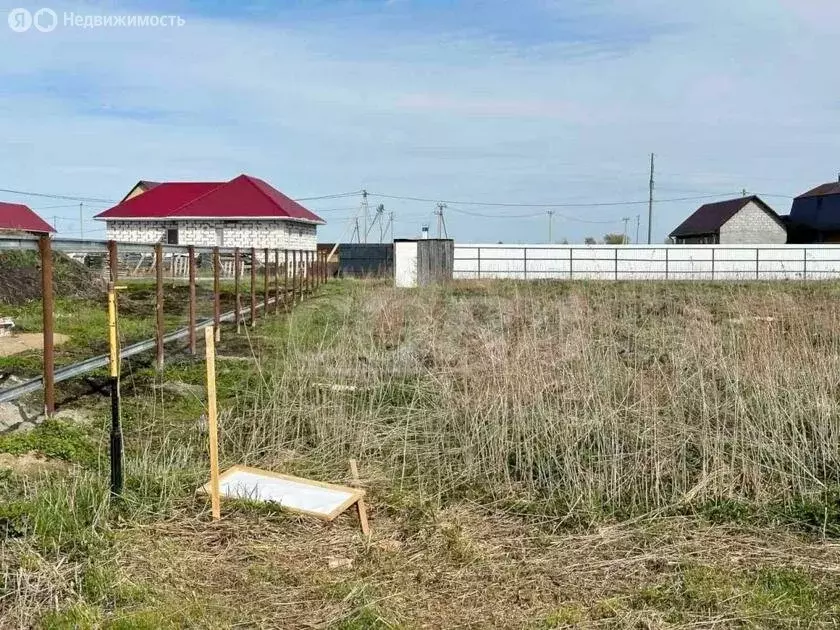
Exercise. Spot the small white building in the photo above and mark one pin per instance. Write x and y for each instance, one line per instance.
(244, 212)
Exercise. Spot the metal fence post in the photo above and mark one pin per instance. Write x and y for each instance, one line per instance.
(804, 263)
(253, 287)
(525, 262)
(192, 316)
(478, 269)
(713, 264)
(47, 308)
(285, 279)
(294, 277)
(265, 283)
(159, 305)
(276, 281)
(616, 263)
(217, 298)
(571, 263)
(757, 251)
(113, 261)
(237, 280)
(667, 252)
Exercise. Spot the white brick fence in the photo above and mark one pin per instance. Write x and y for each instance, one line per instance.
(648, 262)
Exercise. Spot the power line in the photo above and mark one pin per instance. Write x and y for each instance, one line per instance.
(335, 196)
(531, 216)
(541, 205)
(51, 196)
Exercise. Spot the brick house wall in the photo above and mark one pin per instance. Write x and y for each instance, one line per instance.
(245, 234)
(753, 226)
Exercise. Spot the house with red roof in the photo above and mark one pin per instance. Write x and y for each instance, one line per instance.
(243, 212)
(15, 217)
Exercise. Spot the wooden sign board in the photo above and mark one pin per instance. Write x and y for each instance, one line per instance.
(304, 496)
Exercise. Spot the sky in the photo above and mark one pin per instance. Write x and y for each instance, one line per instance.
(532, 105)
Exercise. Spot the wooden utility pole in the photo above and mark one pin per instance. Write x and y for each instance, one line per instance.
(365, 211)
(624, 237)
(638, 223)
(550, 222)
(650, 202)
(441, 222)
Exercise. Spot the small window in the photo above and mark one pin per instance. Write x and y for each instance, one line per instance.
(172, 237)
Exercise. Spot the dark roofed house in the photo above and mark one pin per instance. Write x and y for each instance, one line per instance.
(16, 217)
(815, 215)
(745, 220)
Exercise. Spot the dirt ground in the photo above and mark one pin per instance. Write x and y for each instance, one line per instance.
(22, 342)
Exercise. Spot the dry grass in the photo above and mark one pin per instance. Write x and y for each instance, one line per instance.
(538, 456)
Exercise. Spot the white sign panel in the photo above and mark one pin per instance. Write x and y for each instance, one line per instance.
(322, 500)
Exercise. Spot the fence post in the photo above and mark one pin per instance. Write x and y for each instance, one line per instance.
(757, 251)
(47, 308)
(804, 263)
(294, 277)
(616, 262)
(276, 281)
(525, 262)
(237, 279)
(479, 263)
(253, 287)
(713, 264)
(571, 263)
(191, 264)
(285, 279)
(265, 283)
(310, 280)
(159, 305)
(113, 261)
(667, 251)
(217, 298)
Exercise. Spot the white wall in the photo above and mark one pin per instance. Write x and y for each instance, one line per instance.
(752, 225)
(641, 262)
(405, 263)
(246, 234)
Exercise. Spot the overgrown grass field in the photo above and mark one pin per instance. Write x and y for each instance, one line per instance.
(540, 455)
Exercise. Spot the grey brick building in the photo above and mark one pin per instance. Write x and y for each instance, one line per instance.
(747, 220)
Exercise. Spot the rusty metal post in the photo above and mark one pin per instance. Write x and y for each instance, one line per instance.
(253, 286)
(294, 277)
(217, 298)
(47, 308)
(276, 281)
(265, 283)
(286, 279)
(191, 324)
(237, 272)
(113, 261)
(159, 305)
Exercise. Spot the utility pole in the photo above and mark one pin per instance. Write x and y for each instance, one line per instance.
(550, 221)
(55, 222)
(441, 222)
(81, 221)
(638, 223)
(365, 211)
(624, 237)
(743, 192)
(650, 202)
(391, 223)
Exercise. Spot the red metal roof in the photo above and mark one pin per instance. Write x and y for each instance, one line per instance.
(160, 201)
(243, 197)
(16, 216)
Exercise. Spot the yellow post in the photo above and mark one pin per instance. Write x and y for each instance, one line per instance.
(212, 421)
(116, 447)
